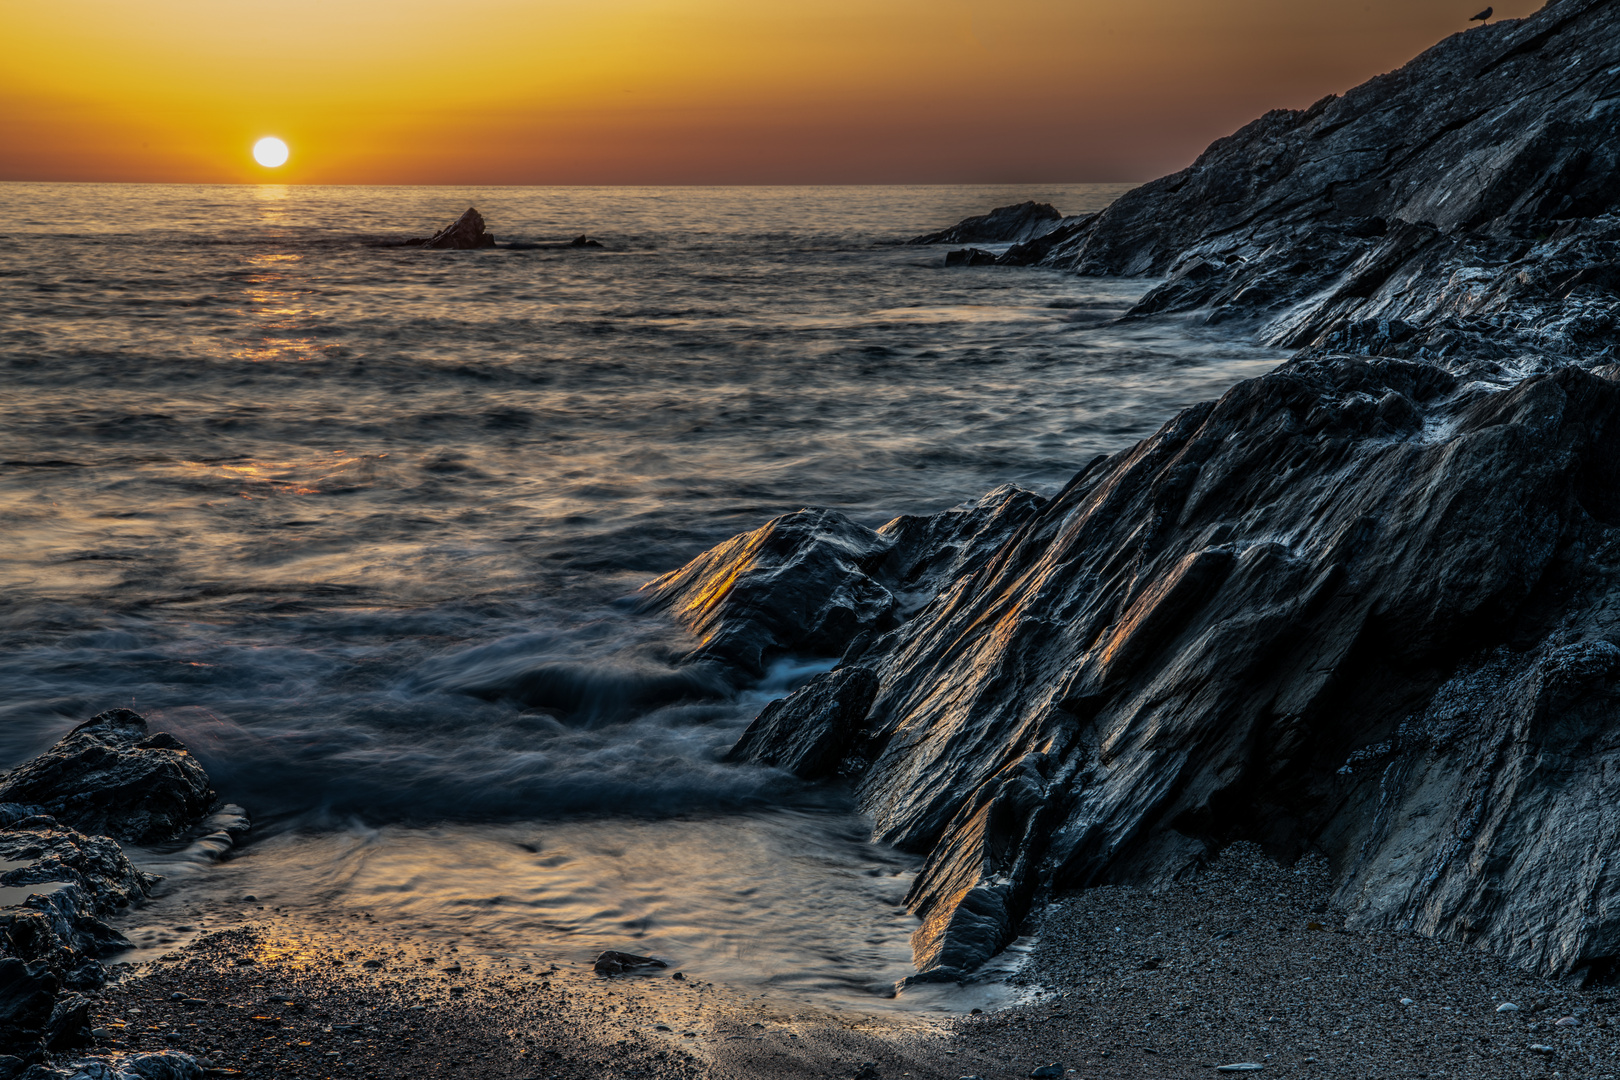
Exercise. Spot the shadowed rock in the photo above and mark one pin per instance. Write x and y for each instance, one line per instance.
(970, 257)
(1003, 225)
(463, 234)
(110, 776)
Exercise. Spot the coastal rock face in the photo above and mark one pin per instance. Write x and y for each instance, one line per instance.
(1003, 225)
(812, 582)
(1363, 605)
(1463, 205)
(466, 233)
(110, 775)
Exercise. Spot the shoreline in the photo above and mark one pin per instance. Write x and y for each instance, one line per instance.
(1221, 968)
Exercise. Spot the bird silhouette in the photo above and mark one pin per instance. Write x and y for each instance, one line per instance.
(1483, 16)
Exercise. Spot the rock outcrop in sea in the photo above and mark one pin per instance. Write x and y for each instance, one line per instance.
(466, 233)
(63, 872)
(1365, 604)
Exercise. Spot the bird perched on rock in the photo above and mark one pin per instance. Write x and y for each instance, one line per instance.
(1483, 16)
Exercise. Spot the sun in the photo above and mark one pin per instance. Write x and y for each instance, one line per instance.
(270, 152)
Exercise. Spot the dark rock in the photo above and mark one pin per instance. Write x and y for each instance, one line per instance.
(1469, 194)
(617, 963)
(109, 776)
(970, 257)
(80, 879)
(810, 733)
(1047, 1072)
(1364, 605)
(11, 1067)
(463, 234)
(69, 1025)
(584, 242)
(799, 584)
(810, 582)
(1003, 225)
(27, 995)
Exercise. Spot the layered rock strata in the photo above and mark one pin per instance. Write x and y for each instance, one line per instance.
(1362, 605)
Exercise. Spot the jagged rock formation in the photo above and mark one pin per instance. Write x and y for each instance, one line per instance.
(1363, 605)
(1464, 205)
(58, 882)
(466, 233)
(811, 583)
(110, 775)
(1003, 225)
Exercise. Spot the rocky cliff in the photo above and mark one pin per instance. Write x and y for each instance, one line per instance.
(1465, 204)
(1364, 604)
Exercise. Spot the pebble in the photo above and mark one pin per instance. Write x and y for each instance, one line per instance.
(1053, 1071)
(1568, 1021)
(373, 964)
(1407, 1001)
(1507, 1006)
(1541, 1048)
(1240, 1066)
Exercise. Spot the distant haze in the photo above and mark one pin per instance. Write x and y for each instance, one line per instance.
(672, 91)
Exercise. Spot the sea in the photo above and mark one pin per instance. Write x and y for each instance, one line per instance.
(361, 524)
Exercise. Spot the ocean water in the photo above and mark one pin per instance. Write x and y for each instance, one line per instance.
(357, 523)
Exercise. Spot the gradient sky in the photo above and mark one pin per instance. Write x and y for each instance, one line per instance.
(672, 91)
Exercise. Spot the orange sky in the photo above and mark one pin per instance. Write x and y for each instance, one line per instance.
(672, 91)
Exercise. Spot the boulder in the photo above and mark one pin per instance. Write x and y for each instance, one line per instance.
(466, 233)
(612, 962)
(1003, 225)
(111, 776)
(809, 733)
(27, 996)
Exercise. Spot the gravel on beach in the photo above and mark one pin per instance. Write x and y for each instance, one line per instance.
(1241, 965)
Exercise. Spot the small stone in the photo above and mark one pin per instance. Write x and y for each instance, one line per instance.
(1568, 1021)
(613, 962)
(1053, 1071)
(1240, 1066)
(100, 1033)
(1507, 1007)
(372, 964)
(1407, 1001)
(662, 1027)
(177, 996)
(1541, 1048)
(250, 899)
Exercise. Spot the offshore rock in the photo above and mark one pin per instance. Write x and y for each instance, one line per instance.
(812, 582)
(1363, 605)
(1003, 225)
(463, 234)
(109, 775)
(1467, 199)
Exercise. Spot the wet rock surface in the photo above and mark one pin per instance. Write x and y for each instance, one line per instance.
(813, 583)
(112, 776)
(466, 233)
(59, 883)
(1003, 225)
(1461, 205)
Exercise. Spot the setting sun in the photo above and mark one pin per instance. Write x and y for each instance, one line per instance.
(270, 152)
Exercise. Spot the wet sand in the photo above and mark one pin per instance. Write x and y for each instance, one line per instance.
(1244, 964)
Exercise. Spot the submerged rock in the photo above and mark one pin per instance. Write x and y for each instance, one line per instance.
(110, 775)
(463, 234)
